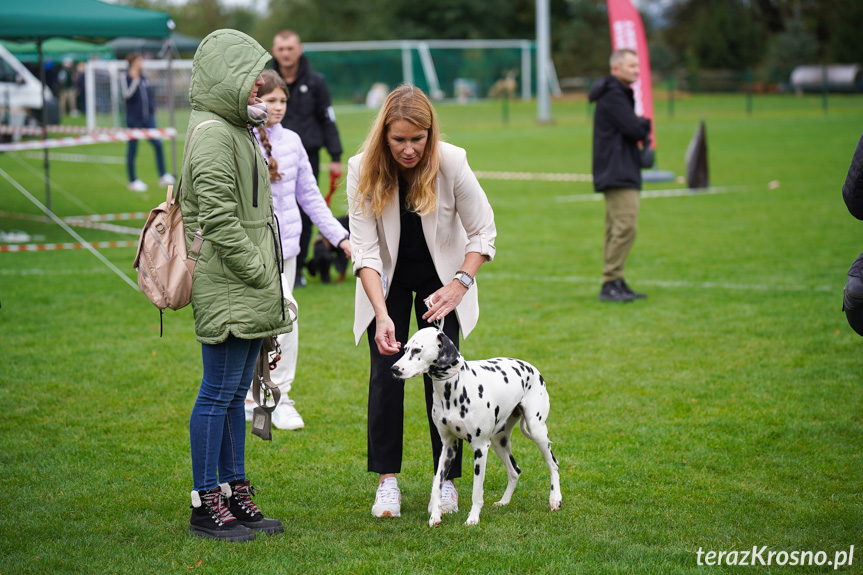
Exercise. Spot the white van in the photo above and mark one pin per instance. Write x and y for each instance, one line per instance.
(20, 93)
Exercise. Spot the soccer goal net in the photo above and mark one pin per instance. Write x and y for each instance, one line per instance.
(444, 69)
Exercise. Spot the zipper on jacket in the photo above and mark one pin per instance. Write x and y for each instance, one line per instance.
(280, 265)
(255, 184)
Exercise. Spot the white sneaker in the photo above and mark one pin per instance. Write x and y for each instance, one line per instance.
(388, 500)
(167, 180)
(138, 186)
(286, 416)
(448, 498)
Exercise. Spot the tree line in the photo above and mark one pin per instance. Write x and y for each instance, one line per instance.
(771, 36)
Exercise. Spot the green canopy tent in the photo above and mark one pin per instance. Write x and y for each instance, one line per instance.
(39, 20)
(57, 49)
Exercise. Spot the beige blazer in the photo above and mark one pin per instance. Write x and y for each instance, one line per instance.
(462, 222)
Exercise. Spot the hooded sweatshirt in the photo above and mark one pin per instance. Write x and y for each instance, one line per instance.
(226, 193)
(616, 133)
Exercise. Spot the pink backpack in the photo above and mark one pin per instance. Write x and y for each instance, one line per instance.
(165, 268)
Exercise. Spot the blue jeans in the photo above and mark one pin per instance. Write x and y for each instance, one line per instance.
(132, 149)
(217, 428)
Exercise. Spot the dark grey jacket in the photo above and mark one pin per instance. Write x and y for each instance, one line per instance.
(616, 133)
(852, 191)
(309, 111)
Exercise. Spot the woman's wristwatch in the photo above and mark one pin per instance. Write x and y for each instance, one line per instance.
(464, 277)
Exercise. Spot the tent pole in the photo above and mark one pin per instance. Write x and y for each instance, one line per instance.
(44, 123)
(170, 47)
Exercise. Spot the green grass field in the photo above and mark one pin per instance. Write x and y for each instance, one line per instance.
(722, 413)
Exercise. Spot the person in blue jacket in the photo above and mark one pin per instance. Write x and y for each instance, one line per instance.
(141, 113)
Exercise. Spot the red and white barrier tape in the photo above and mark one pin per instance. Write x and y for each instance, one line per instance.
(67, 246)
(37, 130)
(108, 137)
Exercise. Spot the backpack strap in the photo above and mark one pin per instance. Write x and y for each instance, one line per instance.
(171, 198)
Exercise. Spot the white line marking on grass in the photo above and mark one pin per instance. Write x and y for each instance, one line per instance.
(660, 283)
(69, 230)
(80, 158)
(533, 176)
(672, 193)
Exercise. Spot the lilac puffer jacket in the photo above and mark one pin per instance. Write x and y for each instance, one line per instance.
(297, 186)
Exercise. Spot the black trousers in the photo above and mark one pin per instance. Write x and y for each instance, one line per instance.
(387, 394)
(306, 233)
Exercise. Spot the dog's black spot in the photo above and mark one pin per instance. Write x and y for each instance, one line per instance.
(552, 487)
(487, 368)
(450, 452)
(473, 371)
(447, 405)
(414, 352)
(503, 441)
(447, 389)
(477, 454)
(480, 391)
(514, 464)
(463, 411)
(492, 361)
(541, 380)
(463, 367)
(539, 415)
(443, 420)
(458, 429)
(478, 432)
(505, 379)
(496, 411)
(469, 438)
(488, 404)
(476, 469)
(553, 458)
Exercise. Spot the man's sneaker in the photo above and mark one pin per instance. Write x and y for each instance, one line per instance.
(614, 291)
(635, 294)
(286, 416)
(211, 518)
(137, 186)
(241, 506)
(388, 500)
(448, 498)
(167, 180)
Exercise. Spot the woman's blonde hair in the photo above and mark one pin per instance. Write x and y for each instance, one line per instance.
(272, 81)
(378, 178)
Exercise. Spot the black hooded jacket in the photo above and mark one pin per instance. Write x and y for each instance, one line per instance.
(616, 133)
(309, 111)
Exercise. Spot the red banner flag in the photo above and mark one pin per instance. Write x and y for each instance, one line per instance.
(627, 31)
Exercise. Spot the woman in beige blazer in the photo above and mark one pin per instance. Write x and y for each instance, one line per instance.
(421, 227)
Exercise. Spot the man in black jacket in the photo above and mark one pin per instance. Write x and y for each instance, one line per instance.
(310, 114)
(617, 168)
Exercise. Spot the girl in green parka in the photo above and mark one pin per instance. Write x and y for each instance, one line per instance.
(236, 295)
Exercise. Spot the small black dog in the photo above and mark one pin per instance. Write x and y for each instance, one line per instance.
(326, 255)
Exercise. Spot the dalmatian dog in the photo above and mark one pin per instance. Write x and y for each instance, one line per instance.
(480, 402)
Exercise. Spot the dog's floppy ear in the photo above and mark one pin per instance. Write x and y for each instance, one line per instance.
(448, 353)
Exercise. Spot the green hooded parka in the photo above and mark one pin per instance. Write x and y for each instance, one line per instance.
(237, 286)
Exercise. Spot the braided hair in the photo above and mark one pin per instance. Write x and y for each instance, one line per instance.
(272, 81)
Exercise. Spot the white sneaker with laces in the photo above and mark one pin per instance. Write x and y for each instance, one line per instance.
(286, 416)
(167, 180)
(388, 500)
(138, 186)
(448, 498)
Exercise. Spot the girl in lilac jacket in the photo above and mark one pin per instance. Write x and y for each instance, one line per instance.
(293, 184)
